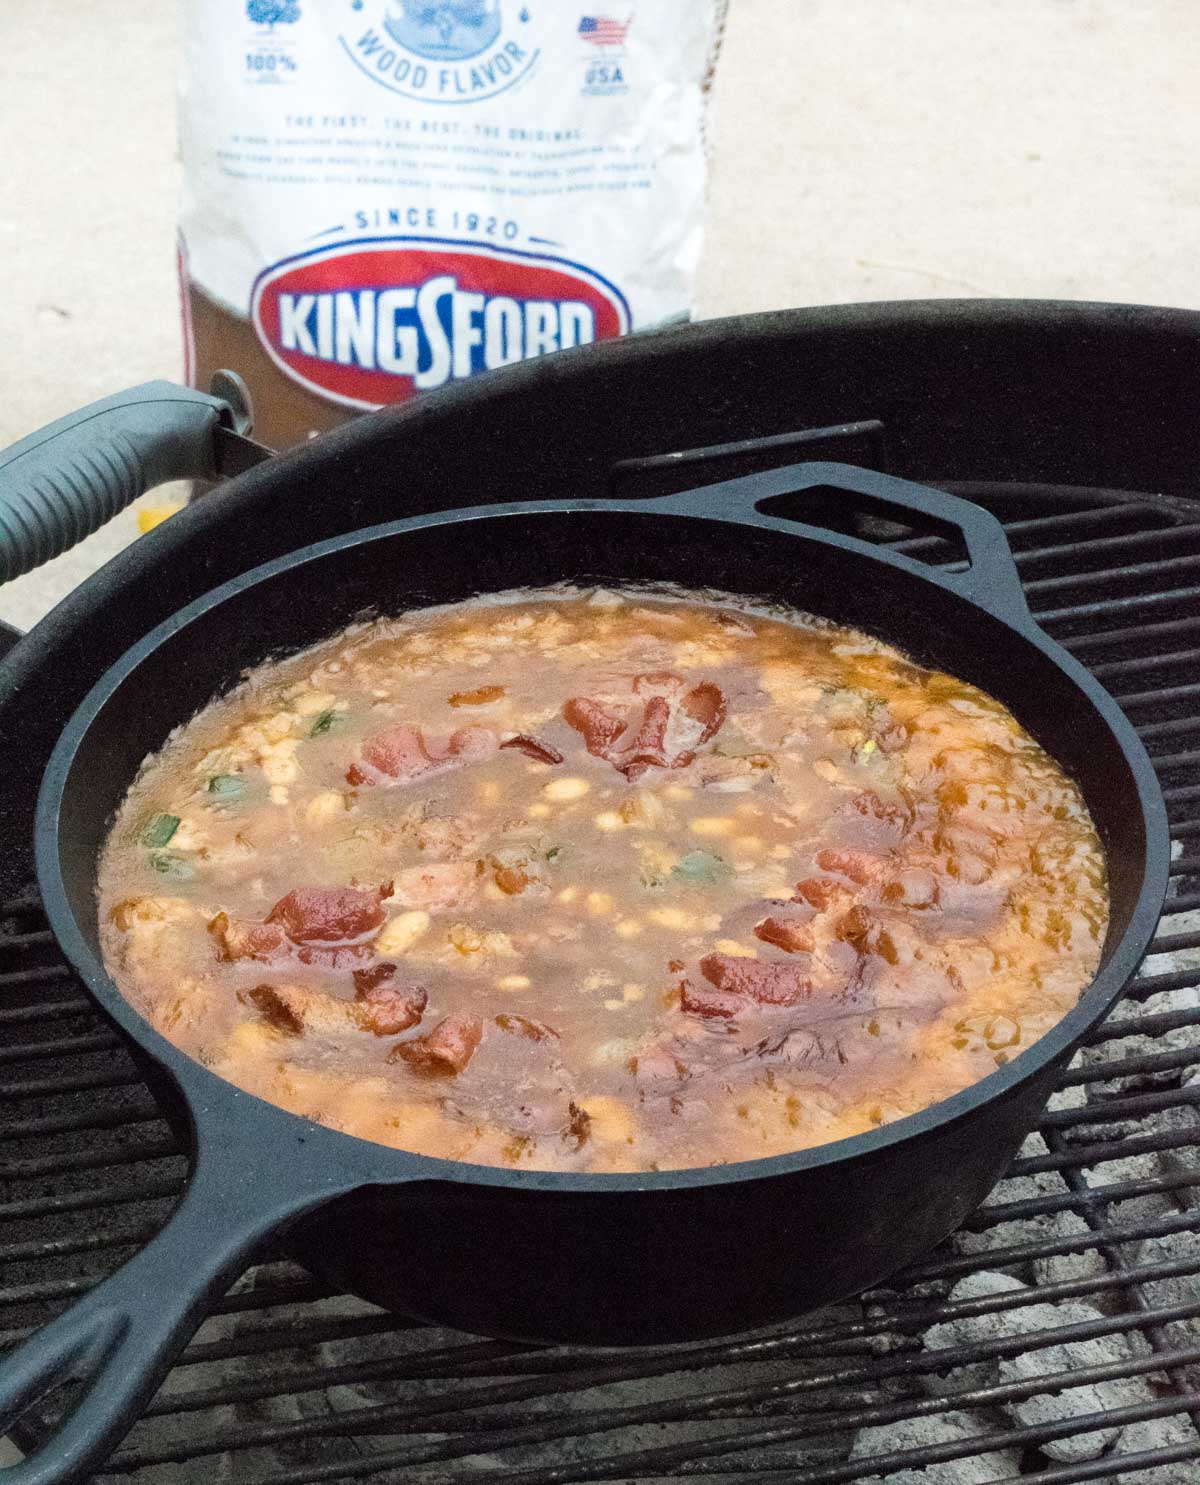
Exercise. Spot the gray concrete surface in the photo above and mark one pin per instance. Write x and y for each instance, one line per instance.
(864, 149)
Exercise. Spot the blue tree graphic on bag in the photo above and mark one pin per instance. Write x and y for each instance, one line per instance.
(447, 14)
(273, 13)
(445, 29)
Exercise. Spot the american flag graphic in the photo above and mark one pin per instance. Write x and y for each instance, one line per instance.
(603, 30)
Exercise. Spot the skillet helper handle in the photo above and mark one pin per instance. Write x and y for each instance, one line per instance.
(122, 1337)
(992, 580)
(68, 479)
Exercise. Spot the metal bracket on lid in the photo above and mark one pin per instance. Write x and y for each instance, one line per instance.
(862, 443)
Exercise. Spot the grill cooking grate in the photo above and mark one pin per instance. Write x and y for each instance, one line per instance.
(1081, 1272)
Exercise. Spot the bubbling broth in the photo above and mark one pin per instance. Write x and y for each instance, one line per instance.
(602, 881)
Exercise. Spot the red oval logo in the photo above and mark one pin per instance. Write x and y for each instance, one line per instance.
(373, 322)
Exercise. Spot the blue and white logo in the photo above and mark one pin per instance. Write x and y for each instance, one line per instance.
(446, 30)
(444, 51)
(272, 13)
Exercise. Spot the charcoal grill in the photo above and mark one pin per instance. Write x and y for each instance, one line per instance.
(1069, 423)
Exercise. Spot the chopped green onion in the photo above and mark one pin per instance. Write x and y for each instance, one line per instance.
(323, 723)
(159, 829)
(167, 864)
(553, 852)
(227, 787)
(701, 868)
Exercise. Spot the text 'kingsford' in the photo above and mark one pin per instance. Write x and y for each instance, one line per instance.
(348, 321)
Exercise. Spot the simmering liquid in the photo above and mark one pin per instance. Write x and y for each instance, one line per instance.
(602, 881)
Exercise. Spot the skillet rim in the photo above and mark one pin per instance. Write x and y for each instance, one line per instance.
(202, 1091)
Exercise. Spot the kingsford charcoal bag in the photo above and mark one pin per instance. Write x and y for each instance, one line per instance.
(383, 196)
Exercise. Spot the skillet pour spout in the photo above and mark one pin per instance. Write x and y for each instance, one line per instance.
(599, 1259)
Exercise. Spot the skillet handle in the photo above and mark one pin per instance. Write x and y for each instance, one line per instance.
(992, 580)
(122, 1337)
(68, 479)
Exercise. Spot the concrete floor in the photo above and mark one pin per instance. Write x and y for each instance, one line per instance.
(864, 149)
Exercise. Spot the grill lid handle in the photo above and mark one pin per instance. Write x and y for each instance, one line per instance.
(992, 580)
(68, 479)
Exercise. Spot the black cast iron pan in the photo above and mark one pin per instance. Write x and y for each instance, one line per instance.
(620, 1259)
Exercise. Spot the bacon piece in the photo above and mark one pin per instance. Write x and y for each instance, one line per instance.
(599, 727)
(387, 1005)
(879, 823)
(398, 753)
(767, 983)
(238, 940)
(444, 1051)
(579, 1125)
(859, 866)
(865, 934)
(867, 802)
(705, 704)
(818, 892)
(470, 745)
(303, 1009)
(328, 915)
(483, 696)
(401, 754)
(785, 933)
(390, 1009)
(648, 748)
(540, 752)
(534, 1031)
(603, 730)
(266, 999)
(703, 1000)
(368, 979)
(512, 880)
(854, 928)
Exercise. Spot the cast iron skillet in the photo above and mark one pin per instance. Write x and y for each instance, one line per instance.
(588, 1258)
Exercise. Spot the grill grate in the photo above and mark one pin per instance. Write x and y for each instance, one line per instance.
(1081, 1272)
